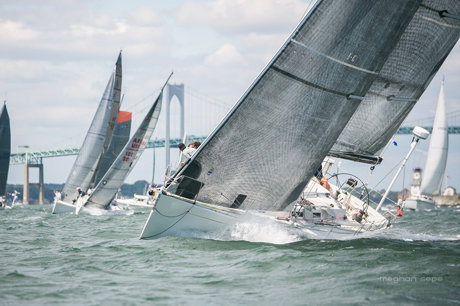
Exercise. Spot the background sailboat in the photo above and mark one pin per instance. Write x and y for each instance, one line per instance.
(5, 151)
(435, 167)
(95, 144)
(109, 185)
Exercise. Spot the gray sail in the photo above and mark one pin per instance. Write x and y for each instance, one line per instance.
(419, 54)
(108, 187)
(115, 108)
(120, 137)
(5, 148)
(268, 147)
(84, 167)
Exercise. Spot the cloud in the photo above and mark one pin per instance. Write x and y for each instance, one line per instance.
(242, 16)
(226, 55)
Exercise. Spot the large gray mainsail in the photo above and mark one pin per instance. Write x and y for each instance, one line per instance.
(5, 148)
(419, 54)
(91, 150)
(108, 187)
(268, 147)
(112, 120)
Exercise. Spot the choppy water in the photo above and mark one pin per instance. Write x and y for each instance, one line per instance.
(98, 260)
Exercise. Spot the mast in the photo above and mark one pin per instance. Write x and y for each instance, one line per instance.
(419, 133)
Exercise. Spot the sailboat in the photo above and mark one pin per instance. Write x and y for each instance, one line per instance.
(95, 145)
(106, 190)
(5, 151)
(424, 187)
(302, 101)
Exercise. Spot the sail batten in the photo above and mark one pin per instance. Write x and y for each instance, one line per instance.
(417, 57)
(272, 142)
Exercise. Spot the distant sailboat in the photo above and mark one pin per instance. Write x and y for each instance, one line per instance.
(425, 187)
(5, 151)
(95, 145)
(106, 190)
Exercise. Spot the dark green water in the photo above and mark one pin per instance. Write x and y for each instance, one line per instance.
(98, 260)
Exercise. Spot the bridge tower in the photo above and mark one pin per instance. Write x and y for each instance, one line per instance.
(171, 91)
(41, 188)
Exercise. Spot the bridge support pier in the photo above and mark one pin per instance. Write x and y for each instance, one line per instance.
(178, 91)
(41, 189)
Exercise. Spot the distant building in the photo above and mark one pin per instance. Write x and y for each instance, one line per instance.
(450, 191)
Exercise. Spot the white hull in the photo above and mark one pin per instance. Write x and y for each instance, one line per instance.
(61, 207)
(139, 201)
(418, 204)
(176, 216)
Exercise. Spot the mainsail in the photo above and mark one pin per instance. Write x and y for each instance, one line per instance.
(437, 152)
(120, 137)
(115, 108)
(5, 148)
(108, 187)
(268, 147)
(419, 54)
(91, 150)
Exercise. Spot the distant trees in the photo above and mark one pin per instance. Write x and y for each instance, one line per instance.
(127, 190)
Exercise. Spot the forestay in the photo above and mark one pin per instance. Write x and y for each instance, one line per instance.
(108, 187)
(5, 148)
(268, 147)
(419, 54)
(91, 149)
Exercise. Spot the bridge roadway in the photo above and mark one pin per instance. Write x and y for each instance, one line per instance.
(35, 157)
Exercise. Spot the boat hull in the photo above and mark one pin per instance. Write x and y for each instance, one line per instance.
(171, 215)
(418, 204)
(61, 207)
(175, 216)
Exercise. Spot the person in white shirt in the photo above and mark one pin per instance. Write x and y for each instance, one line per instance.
(187, 152)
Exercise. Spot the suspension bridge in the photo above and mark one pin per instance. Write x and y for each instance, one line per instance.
(200, 109)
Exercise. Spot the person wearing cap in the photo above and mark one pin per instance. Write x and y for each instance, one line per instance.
(80, 193)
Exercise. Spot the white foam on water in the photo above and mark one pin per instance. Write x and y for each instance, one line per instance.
(99, 212)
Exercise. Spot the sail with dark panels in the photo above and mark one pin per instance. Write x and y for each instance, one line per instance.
(269, 146)
(5, 148)
(120, 137)
(108, 187)
(92, 148)
(419, 54)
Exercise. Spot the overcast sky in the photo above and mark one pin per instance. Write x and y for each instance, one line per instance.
(56, 58)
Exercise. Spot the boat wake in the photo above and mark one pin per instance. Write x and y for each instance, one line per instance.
(401, 234)
(100, 212)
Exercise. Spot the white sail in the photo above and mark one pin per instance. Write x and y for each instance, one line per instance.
(91, 150)
(437, 152)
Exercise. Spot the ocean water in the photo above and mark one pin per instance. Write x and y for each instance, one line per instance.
(98, 259)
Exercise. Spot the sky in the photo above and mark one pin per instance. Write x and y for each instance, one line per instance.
(56, 58)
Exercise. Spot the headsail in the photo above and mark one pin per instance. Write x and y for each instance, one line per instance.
(5, 148)
(108, 187)
(419, 54)
(120, 137)
(271, 143)
(437, 153)
(91, 150)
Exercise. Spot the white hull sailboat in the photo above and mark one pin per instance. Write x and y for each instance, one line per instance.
(425, 187)
(94, 148)
(320, 95)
